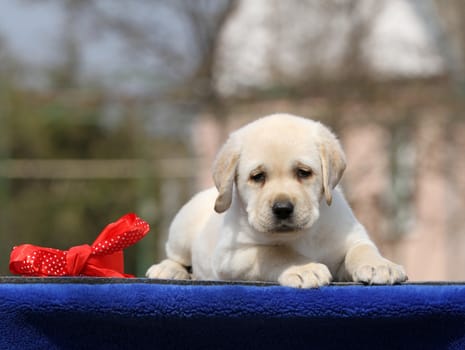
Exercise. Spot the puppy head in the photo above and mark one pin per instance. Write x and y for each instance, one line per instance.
(281, 166)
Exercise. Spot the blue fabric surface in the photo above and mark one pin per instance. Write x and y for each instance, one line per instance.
(166, 316)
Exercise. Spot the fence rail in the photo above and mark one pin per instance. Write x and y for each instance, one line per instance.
(181, 168)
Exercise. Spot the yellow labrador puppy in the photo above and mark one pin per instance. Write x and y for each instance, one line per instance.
(275, 214)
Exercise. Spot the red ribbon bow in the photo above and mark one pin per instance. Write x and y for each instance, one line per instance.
(104, 258)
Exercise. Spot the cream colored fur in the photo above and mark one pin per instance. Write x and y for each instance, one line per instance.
(232, 232)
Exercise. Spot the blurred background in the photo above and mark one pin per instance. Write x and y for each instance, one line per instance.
(109, 107)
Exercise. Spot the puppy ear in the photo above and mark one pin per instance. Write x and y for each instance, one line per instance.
(333, 162)
(224, 172)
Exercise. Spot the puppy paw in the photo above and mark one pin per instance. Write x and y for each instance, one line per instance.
(306, 276)
(168, 269)
(384, 272)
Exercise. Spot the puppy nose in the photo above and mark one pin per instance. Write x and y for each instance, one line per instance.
(282, 210)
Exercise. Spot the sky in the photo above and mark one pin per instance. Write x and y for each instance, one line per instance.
(33, 33)
(30, 29)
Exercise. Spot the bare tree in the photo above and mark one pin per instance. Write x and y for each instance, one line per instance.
(177, 39)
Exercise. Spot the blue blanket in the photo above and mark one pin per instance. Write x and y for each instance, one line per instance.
(84, 313)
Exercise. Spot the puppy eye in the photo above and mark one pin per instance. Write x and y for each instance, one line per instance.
(258, 177)
(304, 173)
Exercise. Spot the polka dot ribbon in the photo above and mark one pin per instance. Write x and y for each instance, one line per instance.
(104, 258)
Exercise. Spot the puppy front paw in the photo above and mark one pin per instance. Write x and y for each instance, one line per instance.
(168, 269)
(311, 275)
(383, 272)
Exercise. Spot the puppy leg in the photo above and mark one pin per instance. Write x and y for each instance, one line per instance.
(185, 226)
(168, 269)
(363, 263)
(273, 264)
(311, 275)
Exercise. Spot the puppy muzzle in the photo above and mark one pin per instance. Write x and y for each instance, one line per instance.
(282, 210)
